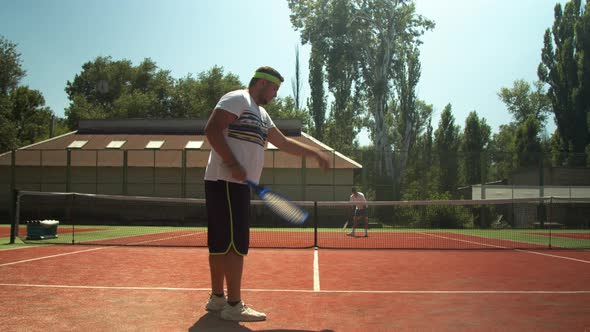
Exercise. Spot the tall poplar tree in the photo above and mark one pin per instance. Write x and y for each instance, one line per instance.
(476, 137)
(446, 146)
(565, 67)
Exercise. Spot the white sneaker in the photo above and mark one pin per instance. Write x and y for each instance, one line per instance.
(242, 313)
(215, 303)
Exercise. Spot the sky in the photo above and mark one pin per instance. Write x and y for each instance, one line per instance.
(477, 47)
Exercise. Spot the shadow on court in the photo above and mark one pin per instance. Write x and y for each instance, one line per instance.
(212, 322)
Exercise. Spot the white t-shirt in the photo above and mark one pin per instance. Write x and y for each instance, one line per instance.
(359, 198)
(246, 137)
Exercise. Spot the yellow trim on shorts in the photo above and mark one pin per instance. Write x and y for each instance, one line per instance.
(231, 228)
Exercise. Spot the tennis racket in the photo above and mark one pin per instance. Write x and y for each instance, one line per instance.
(351, 217)
(280, 205)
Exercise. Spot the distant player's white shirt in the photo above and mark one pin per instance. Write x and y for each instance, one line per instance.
(359, 198)
(246, 137)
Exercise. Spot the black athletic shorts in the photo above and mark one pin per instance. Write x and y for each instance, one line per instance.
(228, 209)
(360, 212)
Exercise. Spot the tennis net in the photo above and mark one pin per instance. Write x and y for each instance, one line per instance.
(526, 223)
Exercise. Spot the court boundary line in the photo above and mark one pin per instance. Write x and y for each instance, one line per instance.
(184, 289)
(316, 271)
(52, 256)
(466, 241)
(554, 256)
(502, 247)
(316, 274)
(93, 242)
(83, 251)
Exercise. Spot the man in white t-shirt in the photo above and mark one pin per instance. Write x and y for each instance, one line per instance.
(360, 211)
(238, 130)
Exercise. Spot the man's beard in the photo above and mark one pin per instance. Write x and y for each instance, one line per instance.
(263, 100)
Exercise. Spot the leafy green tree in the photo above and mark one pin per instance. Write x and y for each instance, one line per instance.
(565, 67)
(419, 182)
(11, 71)
(116, 89)
(8, 135)
(24, 119)
(446, 146)
(523, 102)
(476, 137)
(502, 151)
(528, 144)
(410, 115)
(328, 26)
(30, 116)
(365, 44)
(206, 90)
(284, 108)
(196, 97)
(390, 36)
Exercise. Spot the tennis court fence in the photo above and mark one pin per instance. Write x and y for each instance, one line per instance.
(525, 223)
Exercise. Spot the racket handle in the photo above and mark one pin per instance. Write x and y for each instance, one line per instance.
(255, 186)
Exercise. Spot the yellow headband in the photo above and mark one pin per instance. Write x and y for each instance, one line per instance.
(267, 77)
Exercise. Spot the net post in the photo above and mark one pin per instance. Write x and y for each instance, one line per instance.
(124, 189)
(14, 224)
(315, 224)
(483, 210)
(68, 170)
(183, 175)
(303, 177)
(68, 214)
(549, 220)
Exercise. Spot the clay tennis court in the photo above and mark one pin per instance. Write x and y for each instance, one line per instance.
(117, 288)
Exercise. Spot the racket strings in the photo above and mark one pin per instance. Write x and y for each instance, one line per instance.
(285, 209)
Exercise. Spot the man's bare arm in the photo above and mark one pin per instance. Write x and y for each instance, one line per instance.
(292, 146)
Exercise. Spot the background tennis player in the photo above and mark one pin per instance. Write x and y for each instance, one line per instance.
(360, 211)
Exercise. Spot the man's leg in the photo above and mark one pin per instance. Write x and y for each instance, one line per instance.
(229, 267)
(354, 222)
(234, 265)
(235, 309)
(216, 267)
(217, 298)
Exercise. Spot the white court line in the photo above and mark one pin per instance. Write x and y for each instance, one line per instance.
(520, 250)
(185, 289)
(166, 238)
(554, 256)
(52, 256)
(458, 240)
(88, 250)
(316, 271)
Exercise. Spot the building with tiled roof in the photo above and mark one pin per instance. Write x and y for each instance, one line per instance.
(163, 158)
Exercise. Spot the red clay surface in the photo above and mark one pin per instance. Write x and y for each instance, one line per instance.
(164, 289)
(173, 238)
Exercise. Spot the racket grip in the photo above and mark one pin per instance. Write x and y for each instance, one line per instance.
(258, 189)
